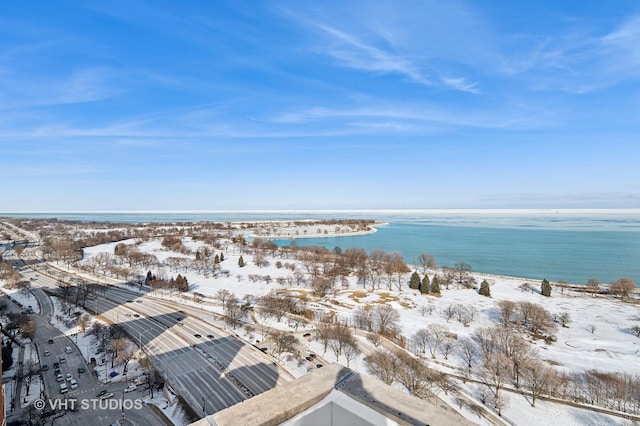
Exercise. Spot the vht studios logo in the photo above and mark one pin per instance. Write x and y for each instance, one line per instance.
(86, 404)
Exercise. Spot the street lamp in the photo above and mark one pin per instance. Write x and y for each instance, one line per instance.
(140, 338)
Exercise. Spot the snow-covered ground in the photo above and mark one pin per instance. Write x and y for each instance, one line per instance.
(88, 346)
(23, 296)
(35, 388)
(598, 335)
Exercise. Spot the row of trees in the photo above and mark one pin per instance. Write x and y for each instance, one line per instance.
(339, 338)
(180, 283)
(400, 367)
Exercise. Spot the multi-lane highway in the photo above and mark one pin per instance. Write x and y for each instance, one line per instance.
(210, 368)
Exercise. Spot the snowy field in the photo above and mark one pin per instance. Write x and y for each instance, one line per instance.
(597, 335)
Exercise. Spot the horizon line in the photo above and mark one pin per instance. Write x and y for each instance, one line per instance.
(388, 210)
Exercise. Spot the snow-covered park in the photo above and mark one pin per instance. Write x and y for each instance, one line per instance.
(595, 333)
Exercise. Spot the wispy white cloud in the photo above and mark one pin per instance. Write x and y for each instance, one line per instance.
(357, 54)
(80, 86)
(461, 84)
(425, 114)
(577, 62)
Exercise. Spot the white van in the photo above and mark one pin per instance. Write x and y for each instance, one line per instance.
(68, 349)
(63, 388)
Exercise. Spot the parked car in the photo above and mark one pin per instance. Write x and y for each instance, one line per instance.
(68, 349)
(47, 353)
(44, 367)
(73, 383)
(63, 388)
(50, 341)
(80, 370)
(69, 377)
(59, 378)
(62, 359)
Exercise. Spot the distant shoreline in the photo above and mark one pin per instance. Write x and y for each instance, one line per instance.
(373, 230)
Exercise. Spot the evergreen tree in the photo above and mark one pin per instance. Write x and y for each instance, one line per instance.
(425, 285)
(435, 286)
(216, 259)
(181, 283)
(484, 289)
(414, 282)
(241, 262)
(149, 278)
(198, 255)
(221, 257)
(546, 288)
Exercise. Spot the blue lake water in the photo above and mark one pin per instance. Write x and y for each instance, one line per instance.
(570, 245)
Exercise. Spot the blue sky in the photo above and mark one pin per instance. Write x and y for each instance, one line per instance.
(154, 105)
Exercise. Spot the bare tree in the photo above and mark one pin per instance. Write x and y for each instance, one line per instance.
(324, 332)
(594, 286)
(340, 336)
(636, 330)
(484, 339)
(426, 261)
(386, 319)
(622, 287)
(233, 313)
(279, 303)
(449, 312)
(125, 353)
(153, 375)
(468, 351)
(462, 273)
(496, 371)
(28, 328)
(284, 342)
(29, 372)
(449, 343)
(536, 318)
(118, 346)
(539, 378)
(350, 352)
(592, 328)
(435, 335)
(416, 377)
(363, 317)
(506, 309)
(384, 365)
(425, 309)
(500, 402)
(321, 286)
(223, 296)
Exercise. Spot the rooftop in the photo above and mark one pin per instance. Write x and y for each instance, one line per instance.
(335, 395)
